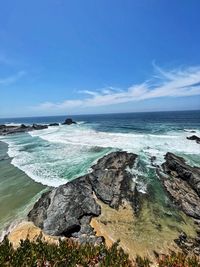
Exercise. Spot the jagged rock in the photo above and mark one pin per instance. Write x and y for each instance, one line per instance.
(182, 183)
(59, 211)
(39, 126)
(68, 209)
(110, 180)
(68, 121)
(195, 138)
(178, 166)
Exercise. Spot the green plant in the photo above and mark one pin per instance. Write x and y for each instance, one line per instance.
(178, 260)
(66, 253)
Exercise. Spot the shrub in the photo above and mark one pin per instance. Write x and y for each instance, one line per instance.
(71, 254)
(67, 254)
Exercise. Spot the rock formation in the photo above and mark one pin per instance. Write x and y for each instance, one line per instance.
(68, 121)
(10, 129)
(182, 183)
(68, 209)
(195, 138)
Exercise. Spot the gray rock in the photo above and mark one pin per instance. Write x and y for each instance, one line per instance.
(10, 129)
(59, 212)
(110, 179)
(182, 182)
(68, 209)
(176, 165)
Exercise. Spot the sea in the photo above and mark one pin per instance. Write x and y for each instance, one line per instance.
(32, 162)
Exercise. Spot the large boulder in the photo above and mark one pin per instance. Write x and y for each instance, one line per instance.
(68, 209)
(110, 179)
(68, 121)
(59, 211)
(195, 138)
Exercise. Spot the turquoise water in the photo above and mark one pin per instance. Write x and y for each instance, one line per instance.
(53, 156)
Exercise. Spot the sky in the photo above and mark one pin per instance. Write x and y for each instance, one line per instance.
(68, 57)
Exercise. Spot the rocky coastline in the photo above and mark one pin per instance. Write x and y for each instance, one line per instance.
(182, 183)
(83, 208)
(14, 129)
(110, 188)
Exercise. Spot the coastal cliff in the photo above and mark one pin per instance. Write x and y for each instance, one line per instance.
(105, 205)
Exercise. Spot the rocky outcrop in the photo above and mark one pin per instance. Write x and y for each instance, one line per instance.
(68, 209)
(39, 126)
(10, 129)
(195, 138)
(68, 121)
(110, 180)
(182, 182)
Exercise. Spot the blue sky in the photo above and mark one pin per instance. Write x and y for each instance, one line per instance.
(98, 56)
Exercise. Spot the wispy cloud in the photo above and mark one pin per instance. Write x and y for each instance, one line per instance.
(12, 79)
(175, 83)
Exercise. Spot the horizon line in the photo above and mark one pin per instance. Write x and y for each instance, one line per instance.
(93, 114)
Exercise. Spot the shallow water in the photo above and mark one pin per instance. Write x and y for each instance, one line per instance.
(17, 190)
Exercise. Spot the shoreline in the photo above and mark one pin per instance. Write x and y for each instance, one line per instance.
(18, 192)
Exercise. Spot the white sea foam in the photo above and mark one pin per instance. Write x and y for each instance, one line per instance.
(55, 155)
(148, 143)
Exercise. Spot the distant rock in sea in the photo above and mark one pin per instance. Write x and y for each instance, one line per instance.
(195, 138)
(12, 129)
(68, 121)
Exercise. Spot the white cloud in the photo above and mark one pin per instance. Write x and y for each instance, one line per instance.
(174, 83)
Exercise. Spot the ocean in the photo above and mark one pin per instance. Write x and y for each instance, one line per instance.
(54, 156)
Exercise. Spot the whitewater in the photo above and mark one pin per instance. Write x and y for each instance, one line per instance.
(58, 154)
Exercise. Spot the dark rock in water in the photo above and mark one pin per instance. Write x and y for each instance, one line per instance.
(68, 121)
(39, 126)
(153, 159)
(68, 209)
(195, 138)
(54, 124)
(23, 126)
(182, 183)
(12, 129)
